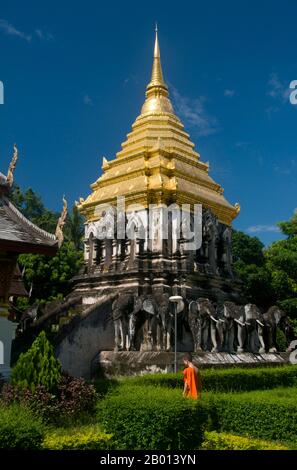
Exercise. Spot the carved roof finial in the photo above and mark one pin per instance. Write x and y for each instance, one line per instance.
(61, 222)
(11, 168)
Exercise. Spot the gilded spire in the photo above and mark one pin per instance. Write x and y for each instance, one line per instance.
(157, 91)
(157, 74)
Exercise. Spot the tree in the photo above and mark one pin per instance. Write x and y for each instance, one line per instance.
(281, 262)
(49, 277)
(269, 275)
(74, 229)
(37, 366)
(31, 205)
(249, 265)
(247, 249)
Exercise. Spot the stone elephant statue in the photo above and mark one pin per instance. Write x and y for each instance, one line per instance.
(161, 313)
(198, 320)
(234, 327)
(124, 314)
(217, 327)
(274, 318)
(254, 322)
(205, 324)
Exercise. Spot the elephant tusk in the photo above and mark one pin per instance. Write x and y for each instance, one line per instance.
(258, 321)
(248, 323)
(222, 321)
(213, 319)
(240, 322)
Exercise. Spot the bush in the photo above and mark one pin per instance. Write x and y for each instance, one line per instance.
(38, 366)
(19, 428)
(82, 438)
(73, 398)
(152, 418)
(225, 380)
(269, 415)
(281, 340)
(223, 441)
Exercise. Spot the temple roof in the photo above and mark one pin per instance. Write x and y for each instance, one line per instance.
(158, 162)
(18, 234)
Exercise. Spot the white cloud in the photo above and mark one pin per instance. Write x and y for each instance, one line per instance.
(9, 29)
(193, 112)
(289, 169)
(277, 89)
(262, 228)
(88, 101)
(43, 35)
(229, 93)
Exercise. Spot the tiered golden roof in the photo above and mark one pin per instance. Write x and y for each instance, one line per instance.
(157, 163)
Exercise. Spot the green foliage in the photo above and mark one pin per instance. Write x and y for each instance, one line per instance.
(257, 286)
(74, 399)
(152, 418)
(246, 249)
(88, 437)
(222, 441)
(31, 205)
(269, 276)
(38, 366)
(74, 228)
(289, 228)
(269, 414)
(293, 323)
(20, 429)
(222, 380)
(49, 277)
(281, 261)
(281, 340)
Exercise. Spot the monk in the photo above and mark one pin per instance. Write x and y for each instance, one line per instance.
(192, 383)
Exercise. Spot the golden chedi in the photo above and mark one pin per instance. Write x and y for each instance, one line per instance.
(158, 163)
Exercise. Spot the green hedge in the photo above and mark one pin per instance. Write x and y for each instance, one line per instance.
(222, 441)
(19, 429)
(88, 437)
(225, 380)
(267, 414)
(152, 418)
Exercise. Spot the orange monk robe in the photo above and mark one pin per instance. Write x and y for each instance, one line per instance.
(192, 381)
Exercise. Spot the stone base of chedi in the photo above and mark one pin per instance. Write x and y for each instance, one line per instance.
(126, 363)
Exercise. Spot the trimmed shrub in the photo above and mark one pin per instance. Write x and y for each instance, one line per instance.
(20, 429)
(38, 366)
(268, 415)
(225, 380)
(152, 418)
(82, 438)
(222, 441)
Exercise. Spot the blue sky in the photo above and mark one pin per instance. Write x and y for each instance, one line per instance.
(74, 81)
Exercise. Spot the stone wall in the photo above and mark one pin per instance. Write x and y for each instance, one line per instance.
(80, 341)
